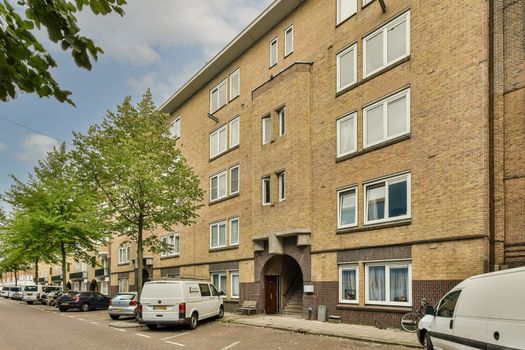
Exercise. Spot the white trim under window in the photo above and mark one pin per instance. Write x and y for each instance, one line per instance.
(218, 141)
(218, 186)
(219, 96)
(345, 9)
(388, 283)
(124, 255)
(235, 231)
(173, 242)
(347, 212)
(218, 235)
(348, 284)
(235, 284)
(266, 191)
(288, 40)
(266, 130)
(175, 128)
(235, 179)
(274, 52)
(282, 186)
(347, 65)
(382, 202)
(235, 84)
(388, 45)
(347, 134)
(235, 131)
(386, 119)
(282, 121)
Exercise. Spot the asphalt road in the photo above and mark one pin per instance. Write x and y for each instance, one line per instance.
(38, 327)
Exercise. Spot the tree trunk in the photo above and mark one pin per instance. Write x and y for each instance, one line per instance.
(36, 271)
(140, 254)
(63, 255)
(16, 279)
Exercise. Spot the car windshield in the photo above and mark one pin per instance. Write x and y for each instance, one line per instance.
(5, 288)
(15, 289)
(30, 289)
(125, 297)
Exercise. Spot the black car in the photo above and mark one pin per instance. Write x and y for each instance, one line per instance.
(83, 301)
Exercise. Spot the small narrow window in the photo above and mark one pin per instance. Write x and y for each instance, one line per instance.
(347, 208)
(218, 186)
(266, 130)
(175, 128)
(219, 281)
(235, 84)
(282, 188)
(288, 41)
(347, 67)
(234, 180)
(348, 284)
(234, 231)
(235, 283)
(345, 9)
(274, 49)
(219, 96)
(282, 122)
(347, 135)
(234, 132)
(266, 191)
(218, 141)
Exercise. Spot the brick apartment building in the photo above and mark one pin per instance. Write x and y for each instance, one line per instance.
(356, 154)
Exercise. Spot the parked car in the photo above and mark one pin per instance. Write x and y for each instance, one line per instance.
(179, 302)
(51, 297)
(4, 292)
(482, 312)
(17, 295)
(124, 304)
(30, 294)
(46, 290)
(83, 301)
(12, 291)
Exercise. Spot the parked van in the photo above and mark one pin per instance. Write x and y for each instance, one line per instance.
(482, 312)
(13, 290)
(34, 293)
(179, 302)
(5, 291)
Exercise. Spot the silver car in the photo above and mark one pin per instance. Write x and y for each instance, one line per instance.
(124, 304)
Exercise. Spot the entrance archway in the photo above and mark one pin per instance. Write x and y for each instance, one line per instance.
(282, 279)
(93, 286)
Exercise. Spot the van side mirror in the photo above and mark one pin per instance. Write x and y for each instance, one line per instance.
(430, 310)
(221, 293)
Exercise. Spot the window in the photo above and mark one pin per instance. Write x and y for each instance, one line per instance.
(266, 130)
(173, 243)
(218, 141)
(234, 132)
(348, 284)
(205, 289)
(345, 9)
(274, 47)
(282, 122)
(234, 231)
(266, 191)
(235, 84)
(123, 255)
(235, 282)
(347, 67)
(387, 119)
(386, 45)
(282, 189)
(347, 135)
(234, 180)
(448, 304)
(347, 207)
(218, 235)
(175, 128)
(218, 187)
(387, 200)
(218, 96)
(123, 285)
(219, 281)
(288, 40)
(388, 284)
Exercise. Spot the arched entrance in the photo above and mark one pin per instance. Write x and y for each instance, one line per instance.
(68, 285)
(283, 282)
(93, 286)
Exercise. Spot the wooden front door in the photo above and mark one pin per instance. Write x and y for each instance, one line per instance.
(271, 294)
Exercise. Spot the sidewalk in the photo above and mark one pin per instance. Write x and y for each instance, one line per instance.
(341, 330)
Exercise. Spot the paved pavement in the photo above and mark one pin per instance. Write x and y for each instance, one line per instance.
(39, 327)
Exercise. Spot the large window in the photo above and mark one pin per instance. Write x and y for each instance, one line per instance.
(347, 67)
(234, 180)
(218, 186)
(218, 279)
(348, 284)
(387, 200)
(347, 135)
(388, 283)
(234, 231)
(175, 128)
(347, 207)
(124, 255)
(387, 119)
(282, 186)
(173, 245)
(234, 132)
(274, 49)
(266, 130)
(235, 284)
(345, 9)
(219, 96)
(235, 84)
(282, 121)
(288, 40)
(386, 45)
(218, 235)
(266, 193)
(218, 141)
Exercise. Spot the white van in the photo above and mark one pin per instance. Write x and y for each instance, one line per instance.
(34, 294)
(179, 302)
(4, 292)
(483, 312)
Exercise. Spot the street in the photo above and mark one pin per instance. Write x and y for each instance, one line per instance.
(37, 327)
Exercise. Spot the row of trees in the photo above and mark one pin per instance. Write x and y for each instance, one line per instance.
(123, 177)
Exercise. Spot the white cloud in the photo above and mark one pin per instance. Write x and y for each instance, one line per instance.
(3, 147)
(35, 147)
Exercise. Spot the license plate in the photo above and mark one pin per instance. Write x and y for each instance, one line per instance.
(29, 294)
(119, 310)
(160, 307)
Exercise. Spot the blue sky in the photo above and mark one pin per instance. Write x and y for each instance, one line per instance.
(158, 44)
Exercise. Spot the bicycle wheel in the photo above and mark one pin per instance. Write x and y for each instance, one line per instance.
(409, 322)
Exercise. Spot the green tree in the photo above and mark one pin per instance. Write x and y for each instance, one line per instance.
(12, 259)
(134, 161)
(25, 63)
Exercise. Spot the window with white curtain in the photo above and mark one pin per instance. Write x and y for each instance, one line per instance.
(235, 284)
(218, 235)
(123, 285)
(235, 84)
(234, 179)
(288, 40)
(234, 132)
(175, 128)
(219, 96)
(386, 45)
(387, 119)
(345, 9)
(266, 130)
(347, 134)
(347, 207)
(234, 231)
(218, 279)
(387, 200)
(348, 284)
(218, 141)
(388, 283)
(218, 186)
(274, 52)
(346, 67)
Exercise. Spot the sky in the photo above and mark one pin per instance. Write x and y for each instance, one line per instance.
(158, 44)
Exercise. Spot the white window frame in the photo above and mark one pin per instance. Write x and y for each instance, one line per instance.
(282, 121)
(339, 192)
(235, 273)
(238, 231)
(218, 175)
(263, 121)
(219, 224)
(288, 46)
(121, 284)
(175, 128)
(281, 177)
(124, 255)
(263, 192)
(276, 41)
(220, 274)
(353, 48)
(218, 88)
(385, 102)
(354, 136)
(174, 247)
(339, 19)
(384, 29)
(387, 181)
(238, 73)
(218, 132)
(238, 179)
(347, 267)
(238, 121)
(388, 265)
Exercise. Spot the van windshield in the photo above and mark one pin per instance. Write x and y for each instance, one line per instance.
(161, 290)
(30, 289)
(5, 288)
(15, 289)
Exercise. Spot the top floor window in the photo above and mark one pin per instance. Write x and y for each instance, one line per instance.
(235, 84)
(124, 255)
(345, 9)
(218, 96)
(175, 128)
(274, 49)
(288, 40)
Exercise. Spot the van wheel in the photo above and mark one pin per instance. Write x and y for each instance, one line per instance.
(84, 307)
(221, 313)
(62, 309)
(194, 319)
(29, 302)
(427, 343)
(152, 326)
(114, 317)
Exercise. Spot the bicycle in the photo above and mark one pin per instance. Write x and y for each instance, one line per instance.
(410, 321)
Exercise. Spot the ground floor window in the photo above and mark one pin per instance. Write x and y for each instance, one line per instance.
(123, 285)
(348, 284)
(219, 281)
(235, 283)
(388, 283)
